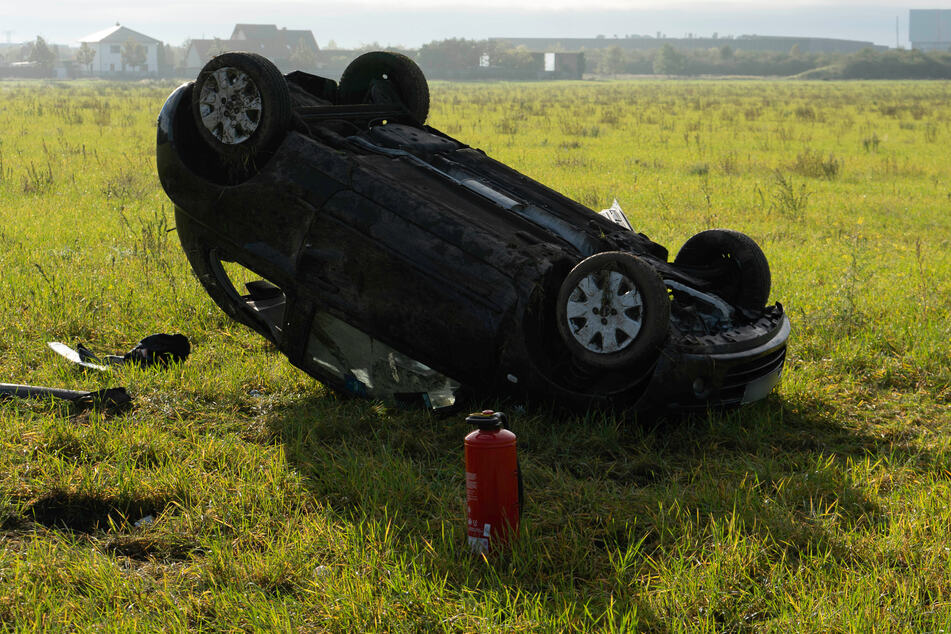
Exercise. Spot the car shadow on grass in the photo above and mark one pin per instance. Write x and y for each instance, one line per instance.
(606, 499)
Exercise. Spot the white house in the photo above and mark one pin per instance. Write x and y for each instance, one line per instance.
(108, 45)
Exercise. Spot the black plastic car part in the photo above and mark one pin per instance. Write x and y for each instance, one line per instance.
(111, 399)
(392, 261)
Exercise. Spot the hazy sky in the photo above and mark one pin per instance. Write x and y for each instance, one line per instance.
(414, 22)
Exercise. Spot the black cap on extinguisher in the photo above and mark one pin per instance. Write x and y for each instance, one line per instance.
(487, 420)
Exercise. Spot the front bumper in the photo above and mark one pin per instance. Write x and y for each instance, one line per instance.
(700, 377)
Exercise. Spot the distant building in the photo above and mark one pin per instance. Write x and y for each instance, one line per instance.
(108, 47)
(930, 29)
(289, 49)
(199, 52)
(765, 43)
(560, 65)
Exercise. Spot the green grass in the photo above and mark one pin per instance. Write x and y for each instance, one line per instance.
(279, 505)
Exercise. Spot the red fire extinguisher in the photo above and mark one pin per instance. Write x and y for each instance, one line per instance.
(493, 482)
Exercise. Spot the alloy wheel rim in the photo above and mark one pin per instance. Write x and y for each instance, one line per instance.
(605, 312)
(230, 105)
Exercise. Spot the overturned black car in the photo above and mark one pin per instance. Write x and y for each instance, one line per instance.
(398, 263)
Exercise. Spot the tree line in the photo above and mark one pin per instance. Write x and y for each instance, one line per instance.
(44, 57)
(724, 61)
(459, 58)
(463, 59)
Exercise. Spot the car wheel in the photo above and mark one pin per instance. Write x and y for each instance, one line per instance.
(382, 77)
(241, 105)
(747, 280)
(613, 311)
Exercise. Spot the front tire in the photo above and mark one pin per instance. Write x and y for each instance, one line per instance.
(746, 282)
(613, 312)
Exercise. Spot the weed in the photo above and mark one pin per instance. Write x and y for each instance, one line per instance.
(931, 132)
(708, 199)
(589, 197)
(928, 300)
(573, 127)
(811, 163)
(102, 115)
(507, 126)
(572, 160)
(611, 116)
(50, 282)
(848, 317)
(784, 134)
(699, 169)
(37, 180)
(805, 113)
(728, 163)
(787, 199)
(72, 116)
(918, 112)
(126, 184)
(151, 236)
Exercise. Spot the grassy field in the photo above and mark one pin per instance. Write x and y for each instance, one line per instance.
(278, 505)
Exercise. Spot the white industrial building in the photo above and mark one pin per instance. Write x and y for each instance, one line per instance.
(930, 29)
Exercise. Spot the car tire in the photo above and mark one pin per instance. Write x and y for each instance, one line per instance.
(241, 105)
(613, 311)
(358, 84)
(748, 280)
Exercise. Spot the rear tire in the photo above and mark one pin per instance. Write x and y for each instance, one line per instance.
(373, 76)
(241, 105)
